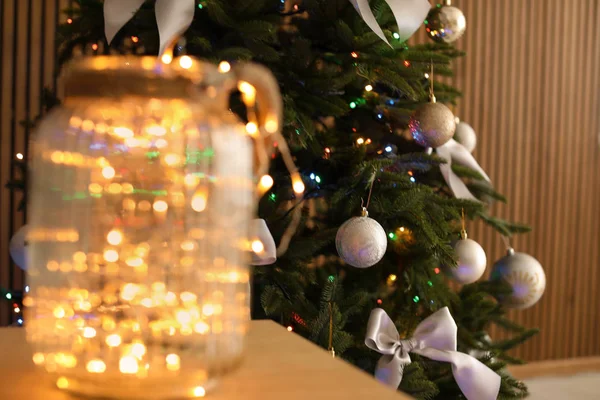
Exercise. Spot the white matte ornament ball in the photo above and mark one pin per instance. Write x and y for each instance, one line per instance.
(361, 241)
(17, 248)
(466, 136)
(526, 277)
(471, 261)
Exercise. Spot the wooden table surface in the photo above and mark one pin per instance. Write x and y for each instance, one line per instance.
(278, 365)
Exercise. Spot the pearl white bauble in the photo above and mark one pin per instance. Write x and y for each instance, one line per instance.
(466, 136)
(526, 277)
(361, 241)
(471, 261)
(18, 249)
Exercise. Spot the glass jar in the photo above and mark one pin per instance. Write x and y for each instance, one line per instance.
(141, 199)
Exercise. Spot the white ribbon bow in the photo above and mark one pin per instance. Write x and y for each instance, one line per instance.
(261, 232)
(409, 16)
(453, 151)
(173, 17)
(434, 338)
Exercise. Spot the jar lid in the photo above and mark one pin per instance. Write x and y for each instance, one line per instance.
(118, 76)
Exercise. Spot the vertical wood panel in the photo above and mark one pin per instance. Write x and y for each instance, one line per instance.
(27, 40)
(533, 97)
(531, 90)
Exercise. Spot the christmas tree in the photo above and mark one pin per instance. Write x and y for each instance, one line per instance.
(348, 100)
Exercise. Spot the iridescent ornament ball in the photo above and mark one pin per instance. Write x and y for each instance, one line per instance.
(432, 124)
(526, 277)
(361, 241)
(445, 23)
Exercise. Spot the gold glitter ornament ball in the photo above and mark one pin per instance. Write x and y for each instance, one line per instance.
(526, 277)
(445, 23)
(432, 124)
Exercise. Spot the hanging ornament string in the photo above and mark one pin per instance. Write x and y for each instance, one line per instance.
(366, 207)
(330, 348)
(431, 94)
(470, 256)
(506, 241)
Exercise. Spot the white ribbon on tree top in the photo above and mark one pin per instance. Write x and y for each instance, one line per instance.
(409, 15)
(173, 18)
(434, 338)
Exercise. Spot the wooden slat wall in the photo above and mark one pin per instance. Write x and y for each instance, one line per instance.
(531, 91)
(27, 31)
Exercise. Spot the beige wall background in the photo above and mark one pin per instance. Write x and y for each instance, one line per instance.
(531, 91)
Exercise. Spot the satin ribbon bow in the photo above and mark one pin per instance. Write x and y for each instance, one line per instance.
(453, 151)
(173, 17)
(434, 338)
(260, 231)
(409, 16)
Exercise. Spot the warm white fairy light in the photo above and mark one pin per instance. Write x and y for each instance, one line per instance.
(114, 237)
(266, 182)
(199, 391)
(251, 128)
(128, 365)
(166, 58)
(173, 362)
(199, 201)
(271, 125)
(108, 172)
(186, 62)
(113, 340)
(62, 383)
(160, 206)
(224, 67)
(257, 246)
(89, 332)
(96, 366)
(297, 183)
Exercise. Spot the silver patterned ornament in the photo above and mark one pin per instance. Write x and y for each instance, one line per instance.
(445, 23)
(18, 247)
(466, 136)
(524, 274)
(485, 341)
(361, 241)
(432, 124)
(471, 261)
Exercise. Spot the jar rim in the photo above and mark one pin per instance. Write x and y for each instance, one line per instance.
(118, 76)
